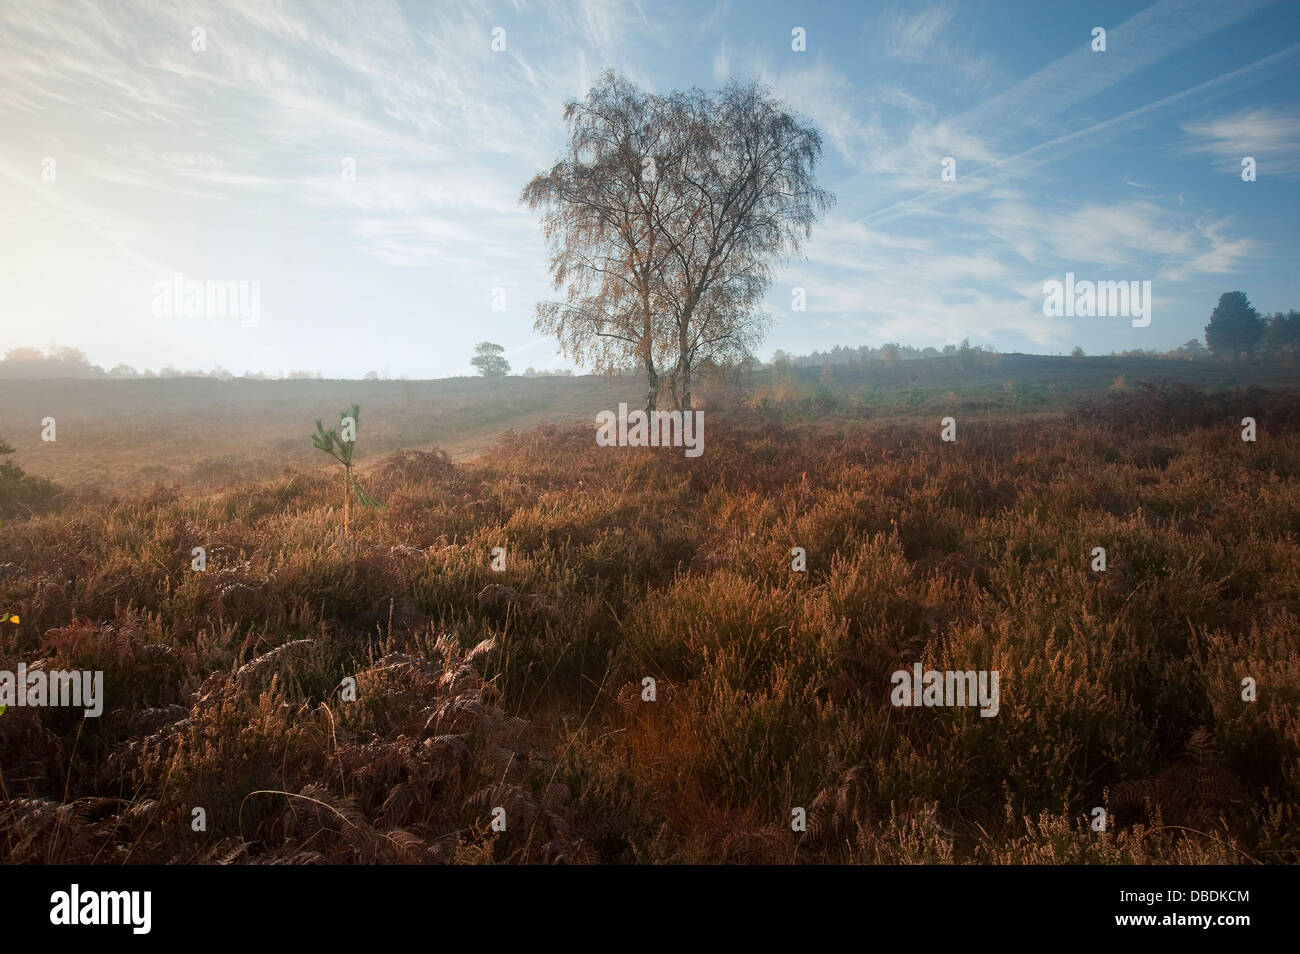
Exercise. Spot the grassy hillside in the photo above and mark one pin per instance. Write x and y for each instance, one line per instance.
(209, 433)
(524, 690)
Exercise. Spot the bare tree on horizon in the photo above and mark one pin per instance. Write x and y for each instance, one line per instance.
(663, 220)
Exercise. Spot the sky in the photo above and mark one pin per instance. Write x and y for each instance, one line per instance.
(357, 166)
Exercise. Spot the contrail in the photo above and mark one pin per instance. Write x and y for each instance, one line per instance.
(946, 192)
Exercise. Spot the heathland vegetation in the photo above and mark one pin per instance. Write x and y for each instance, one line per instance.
(377, 695)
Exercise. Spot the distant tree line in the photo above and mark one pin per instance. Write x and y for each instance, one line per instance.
(967, 354)
(1236, 330)
(62, 362)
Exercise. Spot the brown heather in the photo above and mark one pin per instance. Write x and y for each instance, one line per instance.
(521, 689)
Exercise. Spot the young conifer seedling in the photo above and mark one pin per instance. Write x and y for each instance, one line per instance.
(341, 448)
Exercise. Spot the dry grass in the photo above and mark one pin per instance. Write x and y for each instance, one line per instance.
(521, 690)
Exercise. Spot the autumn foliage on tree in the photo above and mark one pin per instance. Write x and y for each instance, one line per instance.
(663, 221)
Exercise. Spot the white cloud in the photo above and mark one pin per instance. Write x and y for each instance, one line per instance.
(921, 37)
(1270, 135)
(913, 36)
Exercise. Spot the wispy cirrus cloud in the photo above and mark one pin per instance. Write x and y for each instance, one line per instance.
(281, 89)
(227, 161)
(924, 36)
(1271, 136)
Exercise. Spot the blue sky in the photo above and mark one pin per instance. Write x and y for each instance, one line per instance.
(226, 164)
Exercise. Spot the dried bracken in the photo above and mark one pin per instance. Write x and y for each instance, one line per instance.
(1197, 790)
(390, 697)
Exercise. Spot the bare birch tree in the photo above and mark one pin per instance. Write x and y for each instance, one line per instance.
(742, 195)
(599, 207)
(663, 221)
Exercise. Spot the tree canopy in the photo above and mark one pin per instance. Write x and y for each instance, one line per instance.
(1235, 326)
(663, 219)
(489, 361)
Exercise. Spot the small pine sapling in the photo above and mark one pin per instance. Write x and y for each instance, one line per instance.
(341, 448)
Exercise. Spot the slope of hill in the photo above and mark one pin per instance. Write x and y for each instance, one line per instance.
(116, 434)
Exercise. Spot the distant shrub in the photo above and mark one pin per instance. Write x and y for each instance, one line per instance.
(22, 494)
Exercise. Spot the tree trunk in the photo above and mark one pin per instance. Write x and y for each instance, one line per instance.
(684, 358)
(647, 341)
(684, 373)
(672, 389)
(347, 498)
(652, 391)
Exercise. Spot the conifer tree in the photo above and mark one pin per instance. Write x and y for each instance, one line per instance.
(341, 448)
